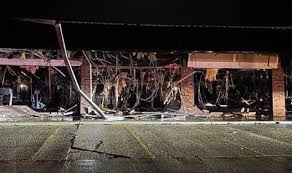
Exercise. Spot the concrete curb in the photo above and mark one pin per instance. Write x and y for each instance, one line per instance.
(149, 123)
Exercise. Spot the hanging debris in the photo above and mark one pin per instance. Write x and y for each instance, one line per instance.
(132, 82)
(211, 74)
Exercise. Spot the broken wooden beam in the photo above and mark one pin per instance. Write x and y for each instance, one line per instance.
(38, 62)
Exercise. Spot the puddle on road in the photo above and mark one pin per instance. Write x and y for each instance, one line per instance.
(87, 165)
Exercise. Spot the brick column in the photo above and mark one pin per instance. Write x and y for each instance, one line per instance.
(278, 89)
(187, 91)
(84, 85)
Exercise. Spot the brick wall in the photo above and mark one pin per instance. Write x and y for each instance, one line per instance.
(84, 85)
(278, 89)
(187, 91)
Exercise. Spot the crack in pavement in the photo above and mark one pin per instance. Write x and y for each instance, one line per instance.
(72, 141)
(98, 145)
(103, 153)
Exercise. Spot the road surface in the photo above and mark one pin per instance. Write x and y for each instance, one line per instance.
(109, 147)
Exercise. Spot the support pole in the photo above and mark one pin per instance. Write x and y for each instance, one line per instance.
(50, 84)
(4, 75)
(62, 45)
(11, 96)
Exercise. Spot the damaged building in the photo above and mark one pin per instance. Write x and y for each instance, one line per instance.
(141, 71)
(141, 85)
(145, 86)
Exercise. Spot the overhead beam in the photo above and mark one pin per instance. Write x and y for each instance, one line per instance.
(232, 61)
(38, 62)
(139, 67)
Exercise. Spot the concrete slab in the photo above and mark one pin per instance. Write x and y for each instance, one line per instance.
(280, 133)
(108, 140)
(56, 147)
(179, 141)
(145, 148)
(21, 142)
(259, 144)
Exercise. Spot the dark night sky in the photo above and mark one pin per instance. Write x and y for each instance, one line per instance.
(169, 12)
(200, 12)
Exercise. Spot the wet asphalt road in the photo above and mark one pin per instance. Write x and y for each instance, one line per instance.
(145, 148)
